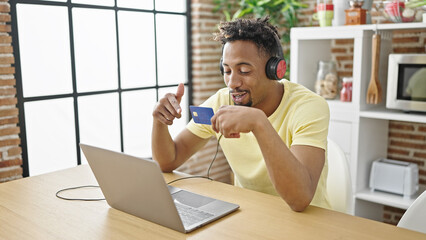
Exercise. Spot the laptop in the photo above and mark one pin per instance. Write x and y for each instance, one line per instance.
(136, 186)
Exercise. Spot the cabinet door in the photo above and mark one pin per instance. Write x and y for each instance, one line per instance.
(341, 133)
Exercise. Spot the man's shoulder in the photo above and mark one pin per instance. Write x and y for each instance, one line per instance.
(303, 94)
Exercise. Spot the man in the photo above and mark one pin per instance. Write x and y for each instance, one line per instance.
(274, 134)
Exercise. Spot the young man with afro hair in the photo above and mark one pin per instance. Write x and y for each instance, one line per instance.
(273, 132)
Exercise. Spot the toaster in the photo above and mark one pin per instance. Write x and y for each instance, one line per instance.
(394, 176)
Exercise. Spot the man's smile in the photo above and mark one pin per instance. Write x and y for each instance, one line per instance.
(240, 96)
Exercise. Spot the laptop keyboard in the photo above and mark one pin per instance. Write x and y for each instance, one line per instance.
(191, 215)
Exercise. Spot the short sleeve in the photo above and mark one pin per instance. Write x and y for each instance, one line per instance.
(310, 123)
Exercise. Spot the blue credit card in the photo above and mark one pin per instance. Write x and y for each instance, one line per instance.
(201, 115)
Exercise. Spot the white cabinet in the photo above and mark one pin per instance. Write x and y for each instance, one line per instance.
(360, 129)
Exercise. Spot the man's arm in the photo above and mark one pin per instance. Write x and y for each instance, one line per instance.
(294, 172)
(171, 154)
(168, 153)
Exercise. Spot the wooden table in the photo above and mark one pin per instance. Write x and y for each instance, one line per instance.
(29, 209)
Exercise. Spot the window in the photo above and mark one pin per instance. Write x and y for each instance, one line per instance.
(91, 71)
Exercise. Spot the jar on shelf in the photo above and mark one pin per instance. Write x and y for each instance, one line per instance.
(327, 80)
(346, 92)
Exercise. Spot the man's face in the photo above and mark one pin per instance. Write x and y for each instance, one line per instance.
(244, 74)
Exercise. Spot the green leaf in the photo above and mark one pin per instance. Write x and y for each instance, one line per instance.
(276, 3)
(237, 14)
(243, 12)
(261, 3)
(227, 15)
(415, 3)
(300, 5)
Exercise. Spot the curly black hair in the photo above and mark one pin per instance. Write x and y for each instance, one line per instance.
(256, 30)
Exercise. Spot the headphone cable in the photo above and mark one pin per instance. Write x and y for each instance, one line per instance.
(208, 170)
(101, 199)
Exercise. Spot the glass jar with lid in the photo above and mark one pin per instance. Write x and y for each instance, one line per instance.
(327, 80)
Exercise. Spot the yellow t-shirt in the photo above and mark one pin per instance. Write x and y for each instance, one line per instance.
(302, 118)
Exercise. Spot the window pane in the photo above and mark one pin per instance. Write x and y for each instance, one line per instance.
(172, 61)
(95, 49)
(99, 121)
(51, 141)
(95, 2)
(137, 121)
(44, 50)
(178, 124)
(170, 5)
(144, 4)
(137, 49)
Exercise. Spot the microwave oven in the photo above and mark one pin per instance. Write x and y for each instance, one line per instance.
(406, 88)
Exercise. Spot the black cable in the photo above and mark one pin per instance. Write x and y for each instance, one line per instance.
(214, 158)
(78, 199)
(101, 199)
(183, 178)
(208, 170)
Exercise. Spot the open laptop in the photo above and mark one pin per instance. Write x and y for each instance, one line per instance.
(136, 186)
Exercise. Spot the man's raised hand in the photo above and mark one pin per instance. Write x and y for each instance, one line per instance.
(168, 108)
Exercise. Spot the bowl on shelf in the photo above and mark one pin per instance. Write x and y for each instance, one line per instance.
(397, 12)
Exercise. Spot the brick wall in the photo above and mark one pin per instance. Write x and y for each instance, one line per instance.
(206, 80)
(407, 142)
(10, 152)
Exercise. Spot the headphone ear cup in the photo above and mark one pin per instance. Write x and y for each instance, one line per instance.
(221, 67)
(275, 68)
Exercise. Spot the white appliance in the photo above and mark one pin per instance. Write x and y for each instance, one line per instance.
(394, 176)
(406, 88)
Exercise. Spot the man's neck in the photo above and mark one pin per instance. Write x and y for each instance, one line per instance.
(277, 92)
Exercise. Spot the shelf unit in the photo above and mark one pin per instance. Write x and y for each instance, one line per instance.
(359, 128)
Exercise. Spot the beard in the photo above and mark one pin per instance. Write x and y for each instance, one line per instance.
(248, 104)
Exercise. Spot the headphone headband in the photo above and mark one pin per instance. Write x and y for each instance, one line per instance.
(279, 49)
(275, 67)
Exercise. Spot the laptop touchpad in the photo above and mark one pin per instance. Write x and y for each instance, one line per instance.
(191, 199)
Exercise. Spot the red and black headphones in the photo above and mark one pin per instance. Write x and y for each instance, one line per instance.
(275, 67)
